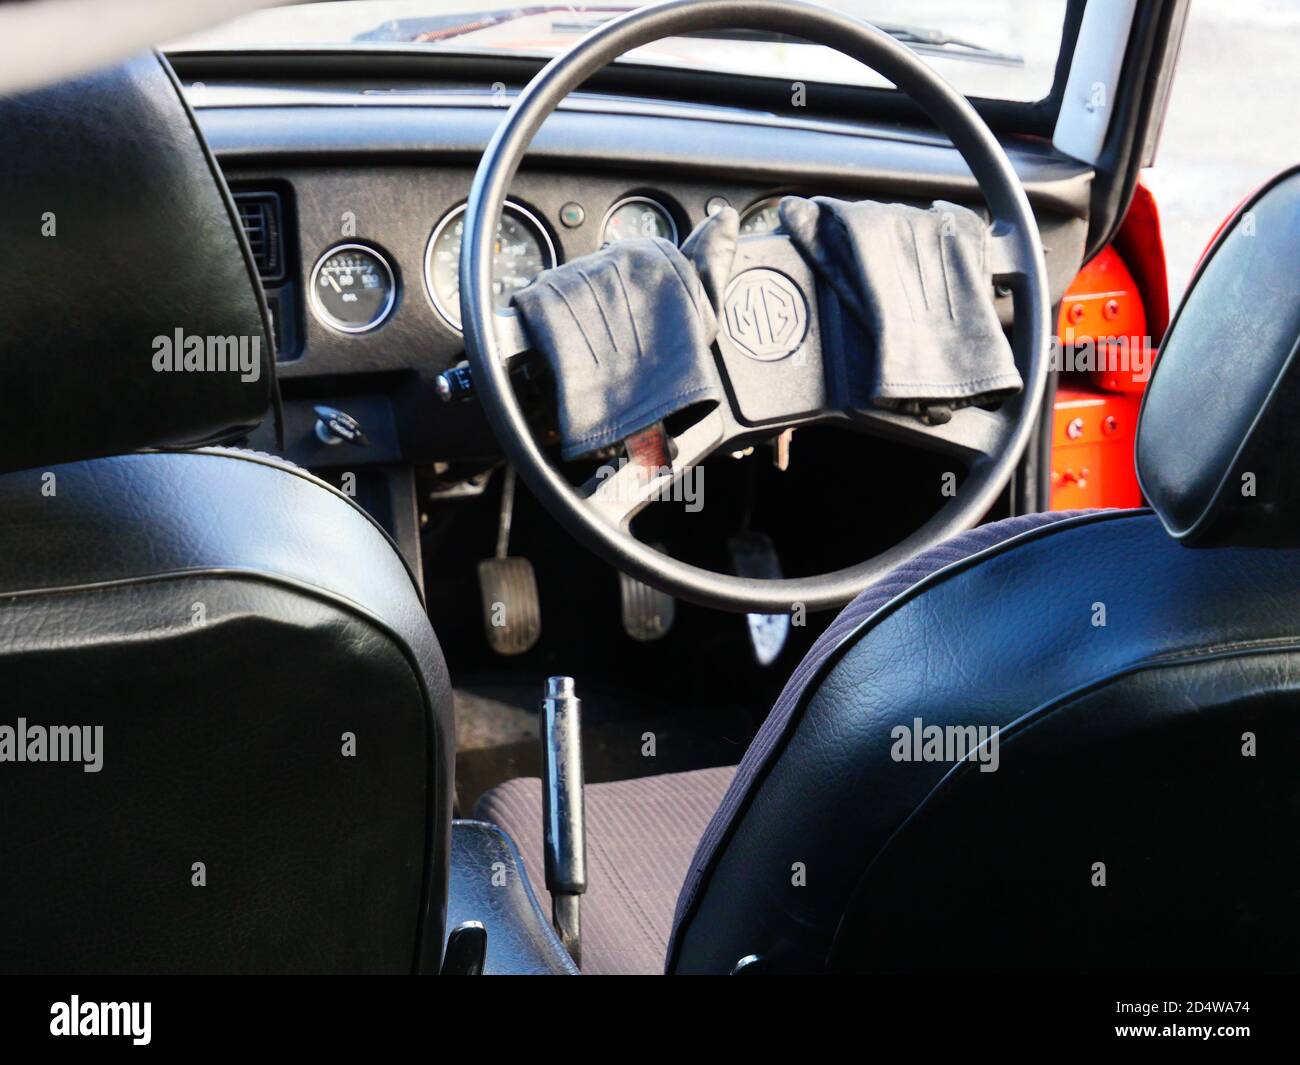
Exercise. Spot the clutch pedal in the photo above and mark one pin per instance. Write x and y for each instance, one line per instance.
(648, 613)
(754, 555)
(512, 610)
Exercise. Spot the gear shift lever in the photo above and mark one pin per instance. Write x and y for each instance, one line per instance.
(565, 841)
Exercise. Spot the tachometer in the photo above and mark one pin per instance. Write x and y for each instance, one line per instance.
(760, 218)
(638, 216)
(523, 250)
(352, 288)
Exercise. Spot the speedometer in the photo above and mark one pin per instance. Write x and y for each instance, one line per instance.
(523, 250)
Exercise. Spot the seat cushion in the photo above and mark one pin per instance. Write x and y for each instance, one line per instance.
(640, 838)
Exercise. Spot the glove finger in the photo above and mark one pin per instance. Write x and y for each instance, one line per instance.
(711, 248)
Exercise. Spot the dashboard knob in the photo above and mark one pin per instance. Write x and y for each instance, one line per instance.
(334, 426)
(456, 383)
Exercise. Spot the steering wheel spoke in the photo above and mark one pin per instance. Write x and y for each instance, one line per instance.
(970, 435)
(619, 493)
(512, 337)
(1006, 256)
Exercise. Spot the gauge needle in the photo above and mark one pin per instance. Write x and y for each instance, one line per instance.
(333, 284)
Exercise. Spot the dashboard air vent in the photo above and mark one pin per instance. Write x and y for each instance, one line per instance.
(260, 215)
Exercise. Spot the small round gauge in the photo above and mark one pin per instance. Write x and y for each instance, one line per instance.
(759, 219)
(637, 216)
(352, 288)
(523, 250)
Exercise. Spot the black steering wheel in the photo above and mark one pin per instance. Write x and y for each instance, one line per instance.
(989, 443)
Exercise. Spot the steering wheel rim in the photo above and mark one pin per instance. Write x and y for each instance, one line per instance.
(1016, 253)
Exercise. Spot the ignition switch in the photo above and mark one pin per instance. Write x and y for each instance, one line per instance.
(334, 426)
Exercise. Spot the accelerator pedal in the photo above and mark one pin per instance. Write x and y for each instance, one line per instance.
(512, 610)
(754, 555)
(648, 613)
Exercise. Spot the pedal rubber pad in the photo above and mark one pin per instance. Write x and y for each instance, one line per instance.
(648, 613)
(512, 611)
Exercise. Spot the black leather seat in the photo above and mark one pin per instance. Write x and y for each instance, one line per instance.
(231, 660)
(1137, 810)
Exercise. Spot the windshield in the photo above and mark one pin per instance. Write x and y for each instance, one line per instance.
(995, 49)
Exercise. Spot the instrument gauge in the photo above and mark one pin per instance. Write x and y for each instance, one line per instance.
(761, 218)
(352, 288)
(523, 250)
(638, 216)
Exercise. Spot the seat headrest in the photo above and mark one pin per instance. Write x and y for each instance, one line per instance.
(129, 282)
(1221, 416)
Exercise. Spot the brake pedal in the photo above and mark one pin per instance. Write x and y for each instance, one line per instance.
(512, 609)
(648, 613)
(754, 555)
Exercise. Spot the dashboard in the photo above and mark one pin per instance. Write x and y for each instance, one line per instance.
(358, 195)
(353, 288)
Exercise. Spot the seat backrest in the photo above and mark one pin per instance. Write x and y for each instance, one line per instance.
(130, 247)
(227, 741)
(1069, 750)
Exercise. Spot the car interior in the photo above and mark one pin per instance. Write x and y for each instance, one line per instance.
(605, 490)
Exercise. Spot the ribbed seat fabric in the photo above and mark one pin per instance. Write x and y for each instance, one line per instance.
(640, 838)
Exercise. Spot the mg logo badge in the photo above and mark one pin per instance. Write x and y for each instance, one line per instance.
(765, 314)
